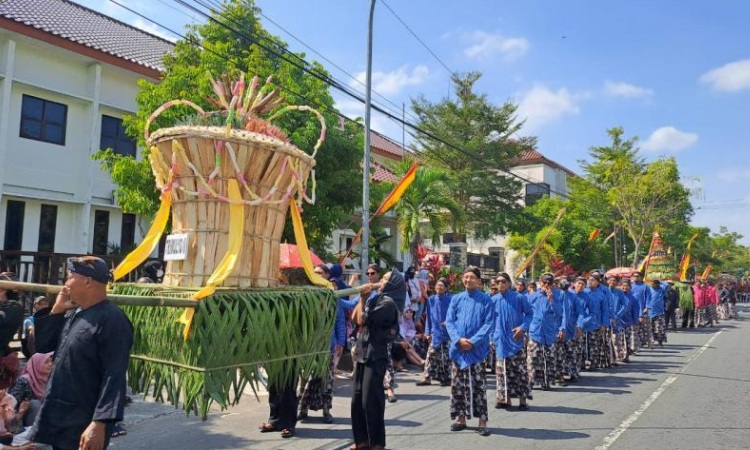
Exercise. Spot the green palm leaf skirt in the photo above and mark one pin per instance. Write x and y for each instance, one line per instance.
(237, 335)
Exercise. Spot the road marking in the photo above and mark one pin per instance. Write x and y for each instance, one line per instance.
(617, 432)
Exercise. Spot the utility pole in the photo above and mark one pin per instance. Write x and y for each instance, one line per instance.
(365, 255)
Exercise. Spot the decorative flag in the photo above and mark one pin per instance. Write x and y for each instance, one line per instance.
(704, 277)
(389, 202)
(594, 234)
(398, 191)
(684, 266)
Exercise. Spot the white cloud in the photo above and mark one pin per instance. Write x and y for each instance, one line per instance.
(669, 139)
(487, 45)
(149, 27)
(734, 175)
(626, 90)
(390, 83)
(731, 77)
(541, 105)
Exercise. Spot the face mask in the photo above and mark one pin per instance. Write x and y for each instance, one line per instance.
(159, 273)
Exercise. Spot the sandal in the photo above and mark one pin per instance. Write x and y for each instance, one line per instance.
(266, 427)
(287, 433)
(458, 426)
(118, 431)
(501, 405)
(483, 431)
(424, 383)
(392, 399)
(523, 407)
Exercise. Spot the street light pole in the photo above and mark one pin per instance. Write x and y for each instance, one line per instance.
(365, 257)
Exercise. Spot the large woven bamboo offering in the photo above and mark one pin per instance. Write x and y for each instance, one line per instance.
(272, 172)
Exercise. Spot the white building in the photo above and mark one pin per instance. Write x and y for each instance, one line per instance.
(67, 76)
(542, 177)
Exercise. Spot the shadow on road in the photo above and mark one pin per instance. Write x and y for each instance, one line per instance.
(423, 397)
(592, 390)
(538, 434)
(564, 410)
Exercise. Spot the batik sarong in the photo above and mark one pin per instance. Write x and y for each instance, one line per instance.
(512, 377)
(469, 391)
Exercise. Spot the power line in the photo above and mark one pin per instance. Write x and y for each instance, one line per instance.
(434, 55)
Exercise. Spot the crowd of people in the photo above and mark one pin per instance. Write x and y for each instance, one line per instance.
(532, 334)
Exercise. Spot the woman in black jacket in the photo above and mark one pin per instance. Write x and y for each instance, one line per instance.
(379, 327)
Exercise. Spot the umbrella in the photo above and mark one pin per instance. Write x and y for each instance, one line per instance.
(620, 272)
(289, 257)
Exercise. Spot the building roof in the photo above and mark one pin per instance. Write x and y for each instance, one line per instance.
(385, 144)
(530, 156)
(380, 173)
(88, 28)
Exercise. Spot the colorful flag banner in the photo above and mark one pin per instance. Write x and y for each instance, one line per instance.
(594, 234)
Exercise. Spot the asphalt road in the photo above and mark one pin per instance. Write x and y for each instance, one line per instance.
(694, 393)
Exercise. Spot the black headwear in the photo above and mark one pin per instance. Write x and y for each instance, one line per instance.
(395, 288)
(90, 266)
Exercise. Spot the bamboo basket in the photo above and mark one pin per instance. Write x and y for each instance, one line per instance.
(205, 217)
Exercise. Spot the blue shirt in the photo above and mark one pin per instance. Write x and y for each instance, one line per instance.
(549, 318)
(619, 308)
(603, 293)
(642, 293)
(573, 309)
(634, 309)
(593, 310)
(655, 304)
(471, 315)
(511, 311)
(437, 310)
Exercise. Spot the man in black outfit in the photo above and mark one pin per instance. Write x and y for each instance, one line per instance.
(86, 391)
(380, 327)
(671, 303)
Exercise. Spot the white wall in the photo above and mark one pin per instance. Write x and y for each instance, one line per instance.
(65, 175)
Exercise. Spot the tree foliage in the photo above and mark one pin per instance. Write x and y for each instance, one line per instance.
(229, 44)
(645, 197)
(473, 140)
(428, 199)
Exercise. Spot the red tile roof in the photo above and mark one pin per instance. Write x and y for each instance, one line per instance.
(88, 28)
(385, 144)
(530, 156)
(380, 173)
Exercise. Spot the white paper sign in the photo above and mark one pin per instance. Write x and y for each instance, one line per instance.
(176, 248)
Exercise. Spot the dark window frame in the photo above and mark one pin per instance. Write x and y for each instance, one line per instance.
(47, 228)
(535, 191)
(100, 244)
(119, 141)
(42, 118)
(15, 223)
(127, 231)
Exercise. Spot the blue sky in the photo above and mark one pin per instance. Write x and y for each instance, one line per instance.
(675, 73)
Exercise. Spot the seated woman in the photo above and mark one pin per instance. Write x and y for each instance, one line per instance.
(9, 424)
(30, 387)
(404, 348)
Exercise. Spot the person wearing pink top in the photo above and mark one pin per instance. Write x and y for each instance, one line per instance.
(700, 299)
(712, 301)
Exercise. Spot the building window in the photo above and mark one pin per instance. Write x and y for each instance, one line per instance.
(47, 228)
(43, 120)
(101, 232)
(535, 191)
(14, 214)
(114, 137)
(127, 236)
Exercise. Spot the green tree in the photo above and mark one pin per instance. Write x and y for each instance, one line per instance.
(428, 199)
(480, 145)
(212, 47)
(643, 197)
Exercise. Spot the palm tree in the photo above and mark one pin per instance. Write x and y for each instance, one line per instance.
(428, 199)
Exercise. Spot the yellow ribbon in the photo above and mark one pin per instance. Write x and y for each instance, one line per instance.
(227, 263)
(304, 252)
(149, 243)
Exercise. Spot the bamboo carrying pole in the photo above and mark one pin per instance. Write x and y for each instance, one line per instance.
(135, 300)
